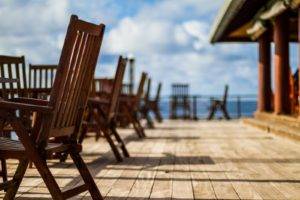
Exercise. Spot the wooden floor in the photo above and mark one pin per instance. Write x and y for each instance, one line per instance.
(186, 160)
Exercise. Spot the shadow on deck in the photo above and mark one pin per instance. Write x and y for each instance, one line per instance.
(233, 162)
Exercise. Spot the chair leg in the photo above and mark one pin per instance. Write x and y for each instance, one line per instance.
(138, 124)
(98, 134)
(150, 123)
(105, 130)
(86, 176)
(119, 139)
(4, 170)
(48, 178)
(225, 112)
(157, 114)
(113, 147)
(17, 179)
(212, 111)
(37, 159)
(83, 133)
(131, 119)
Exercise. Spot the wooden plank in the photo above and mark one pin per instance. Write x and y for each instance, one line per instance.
(144, 183)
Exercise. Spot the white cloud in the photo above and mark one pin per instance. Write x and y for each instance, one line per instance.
(172, 45)
(169, 38)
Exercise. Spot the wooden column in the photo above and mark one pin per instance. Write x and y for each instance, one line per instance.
(264, 73)
(281, 40)
(299, 61)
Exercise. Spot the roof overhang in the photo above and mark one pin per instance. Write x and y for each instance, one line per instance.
(234, 19)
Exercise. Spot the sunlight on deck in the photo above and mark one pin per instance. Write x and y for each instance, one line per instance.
(185, 160)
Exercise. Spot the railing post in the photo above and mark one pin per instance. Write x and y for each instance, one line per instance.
(195, 117)
(239, 109)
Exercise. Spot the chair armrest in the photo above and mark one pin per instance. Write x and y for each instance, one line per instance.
(9, 105)
(30, 101)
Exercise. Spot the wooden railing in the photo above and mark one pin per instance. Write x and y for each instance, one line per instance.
(239, 105)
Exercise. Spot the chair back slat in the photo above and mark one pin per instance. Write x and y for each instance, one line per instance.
(180, 90)
(74, 76)
(147, 95)
(126, 88)
(140, 90)
(102, 86)
(157, 97)
(14, 68)
(117, 86)
(44, 82)
(225, 94)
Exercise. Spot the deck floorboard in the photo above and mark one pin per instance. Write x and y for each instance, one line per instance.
(184, 160)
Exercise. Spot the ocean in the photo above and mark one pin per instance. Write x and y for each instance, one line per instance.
(247, 108)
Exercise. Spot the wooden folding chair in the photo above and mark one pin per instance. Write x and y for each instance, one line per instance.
(154, 104)
(219, 105)
(102, 110)
(61, 116)
(11, 67)
(41, 78)
(145, 107)
(129, 108)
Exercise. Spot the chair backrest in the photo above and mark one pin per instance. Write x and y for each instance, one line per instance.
(157, 97)
(41, 76)
(74, 76)
(147, 94)
(102, 85)
(117, 86)
(14, 68)
(126, 88)
(180, 90)
(225, 94)
(140, 90)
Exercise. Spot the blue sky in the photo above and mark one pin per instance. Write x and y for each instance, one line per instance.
(168, 38)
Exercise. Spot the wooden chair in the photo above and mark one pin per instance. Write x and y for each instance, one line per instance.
(102, 110)
(61, 116)
(145, 107)
(11, 67)
(219, 105)
(41, 78)
(180, 100)
(154, 104)
(128, 112)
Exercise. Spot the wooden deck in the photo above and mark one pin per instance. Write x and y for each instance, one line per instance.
(186, 160)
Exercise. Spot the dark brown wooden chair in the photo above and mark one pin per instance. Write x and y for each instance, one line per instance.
(102, 110)
(11, 67)
(180, 101)
(61, 116)
(221, 105)
(153, 104)
(128, 112)
(145, 107)
(41, 78)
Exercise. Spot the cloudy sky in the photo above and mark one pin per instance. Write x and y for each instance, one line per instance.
(168, 38)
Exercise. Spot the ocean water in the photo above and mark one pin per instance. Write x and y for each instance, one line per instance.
(247, 107)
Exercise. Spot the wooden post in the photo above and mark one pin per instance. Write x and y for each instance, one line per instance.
(281, 40)
(195, 98)
(131, 75)
(264, 74)
(299, 62)
(239, 108)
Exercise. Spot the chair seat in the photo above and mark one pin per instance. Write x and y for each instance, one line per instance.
(14, 149)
